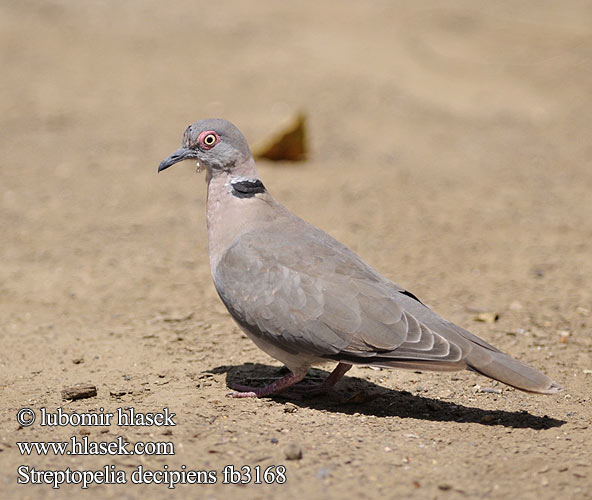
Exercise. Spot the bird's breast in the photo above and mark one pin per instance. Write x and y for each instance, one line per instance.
(228, 216)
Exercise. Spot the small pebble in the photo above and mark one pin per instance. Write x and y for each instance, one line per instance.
(490, 390)
(293, 452)
(117, 393)
(290, 408)
(79, 391)
(487, 317)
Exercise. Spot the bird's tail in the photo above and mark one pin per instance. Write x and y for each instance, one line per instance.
(510, 371)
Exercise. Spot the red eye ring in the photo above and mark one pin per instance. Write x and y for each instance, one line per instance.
(208, 139)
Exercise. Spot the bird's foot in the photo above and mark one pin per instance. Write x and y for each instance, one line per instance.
(327, 386)
(245, 391)
(288, 382)
(306, 391)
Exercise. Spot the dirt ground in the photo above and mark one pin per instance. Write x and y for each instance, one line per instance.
(450, 148)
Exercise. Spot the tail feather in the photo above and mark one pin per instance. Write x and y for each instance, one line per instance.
(500, 366)
(485, 359)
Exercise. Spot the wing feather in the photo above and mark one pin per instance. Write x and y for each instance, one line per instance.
(310, 294)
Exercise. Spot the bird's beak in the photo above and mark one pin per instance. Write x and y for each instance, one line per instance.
(179, 155)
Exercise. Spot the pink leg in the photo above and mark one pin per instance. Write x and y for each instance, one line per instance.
(279, 385)
(339, 371)
(288, 381)
(328, 384)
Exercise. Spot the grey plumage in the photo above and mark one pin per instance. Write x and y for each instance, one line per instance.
(305, 298)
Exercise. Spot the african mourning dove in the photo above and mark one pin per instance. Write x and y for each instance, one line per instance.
(305, 298)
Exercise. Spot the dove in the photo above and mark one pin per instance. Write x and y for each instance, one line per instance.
(305, 298)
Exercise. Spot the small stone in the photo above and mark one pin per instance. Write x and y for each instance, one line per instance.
(290, 408)
(293, 452)
(79, 391)
(444, 487)
(360, 397)
(490, 390)
(178, 317)
(117, 393)
(487, 317)
(78, 361)
(487, 419)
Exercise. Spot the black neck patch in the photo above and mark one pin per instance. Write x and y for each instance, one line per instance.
(248, 188)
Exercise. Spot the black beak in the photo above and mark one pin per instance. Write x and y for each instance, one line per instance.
(179, 155)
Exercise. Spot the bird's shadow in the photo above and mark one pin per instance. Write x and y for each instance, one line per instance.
(361, 396)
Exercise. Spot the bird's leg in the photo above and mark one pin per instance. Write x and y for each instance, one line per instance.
(328, 384)
(244, 391)
(335, 376)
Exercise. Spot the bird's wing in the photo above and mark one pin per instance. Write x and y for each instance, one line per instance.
(306, 293)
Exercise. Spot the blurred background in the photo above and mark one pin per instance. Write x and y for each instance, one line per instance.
(416, 112)
(449, 146)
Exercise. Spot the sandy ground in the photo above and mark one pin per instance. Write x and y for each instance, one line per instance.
(450, 148)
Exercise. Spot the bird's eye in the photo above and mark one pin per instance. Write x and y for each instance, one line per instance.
(208, 139)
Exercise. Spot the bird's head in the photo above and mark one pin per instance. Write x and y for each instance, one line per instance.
(216, 144)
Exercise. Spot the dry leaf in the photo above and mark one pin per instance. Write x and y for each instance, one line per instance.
(290, 144)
